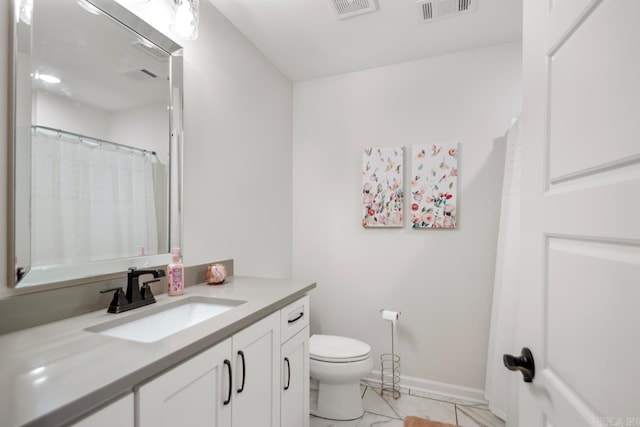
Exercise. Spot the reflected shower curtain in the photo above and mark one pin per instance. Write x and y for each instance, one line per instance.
(501, 385)
(90, 202)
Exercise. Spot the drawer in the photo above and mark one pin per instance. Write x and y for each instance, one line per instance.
(294, 317)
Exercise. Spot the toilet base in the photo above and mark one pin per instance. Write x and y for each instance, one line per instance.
(340, 402)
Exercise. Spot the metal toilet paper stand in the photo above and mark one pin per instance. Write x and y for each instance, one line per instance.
(390, 368)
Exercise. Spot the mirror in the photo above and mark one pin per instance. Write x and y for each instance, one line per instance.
(96, 153)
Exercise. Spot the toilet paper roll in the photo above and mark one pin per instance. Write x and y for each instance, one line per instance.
(392, 316)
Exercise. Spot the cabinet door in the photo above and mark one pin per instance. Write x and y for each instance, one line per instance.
(118, 413)
(256, 355)
(191, 394)
(295, 380)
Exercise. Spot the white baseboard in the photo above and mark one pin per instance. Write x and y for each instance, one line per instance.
(409, 384)
(498, 413)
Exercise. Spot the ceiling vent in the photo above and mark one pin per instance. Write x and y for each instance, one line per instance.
(432, 10)
(348, 8)
(141, 74)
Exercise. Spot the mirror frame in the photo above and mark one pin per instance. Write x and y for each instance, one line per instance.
(75, 274)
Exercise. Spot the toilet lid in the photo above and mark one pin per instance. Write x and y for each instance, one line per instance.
(331, 348)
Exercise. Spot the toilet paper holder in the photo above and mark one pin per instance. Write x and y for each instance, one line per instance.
(390, 362)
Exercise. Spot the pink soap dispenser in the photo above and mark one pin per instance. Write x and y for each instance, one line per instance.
(175, 274)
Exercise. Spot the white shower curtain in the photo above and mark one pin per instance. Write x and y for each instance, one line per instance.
(501, 385)
(90, 202)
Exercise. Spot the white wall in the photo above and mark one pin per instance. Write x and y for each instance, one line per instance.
(60, 112)
(238, 144)
(238, 167)
(145, 127)
(237, 159)
(441, 280)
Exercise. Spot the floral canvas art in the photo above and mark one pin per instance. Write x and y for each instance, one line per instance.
(434, 185)
(382, 187)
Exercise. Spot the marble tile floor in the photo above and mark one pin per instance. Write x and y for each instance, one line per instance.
(385, 411)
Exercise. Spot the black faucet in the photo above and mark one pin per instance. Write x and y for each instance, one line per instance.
(136, 296)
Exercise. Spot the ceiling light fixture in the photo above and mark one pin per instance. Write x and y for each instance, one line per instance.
(185, 19)
(47, 78)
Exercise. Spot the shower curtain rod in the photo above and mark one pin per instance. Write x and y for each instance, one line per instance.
(45, 130)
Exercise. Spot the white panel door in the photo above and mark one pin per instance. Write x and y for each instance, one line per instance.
(195, 393)
(295, 380)
(580, 284)
(256, 354)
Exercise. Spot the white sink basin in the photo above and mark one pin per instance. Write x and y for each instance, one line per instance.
(156, 323)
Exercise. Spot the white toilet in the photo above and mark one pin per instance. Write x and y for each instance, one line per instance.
(337, 364)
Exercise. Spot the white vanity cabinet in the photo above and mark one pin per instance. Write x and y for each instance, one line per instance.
(235, 383)
(195, 393)
(118, 413)
(259, 378)
(294, 389)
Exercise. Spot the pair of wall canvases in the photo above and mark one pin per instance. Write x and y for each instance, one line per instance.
(434, 173)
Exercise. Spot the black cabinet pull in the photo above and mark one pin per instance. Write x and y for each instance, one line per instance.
(244, 371)
(300, 316)
(523, 363)
(286, 359)
(228, 364)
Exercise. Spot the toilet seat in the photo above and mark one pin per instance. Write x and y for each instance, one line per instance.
(334, 349)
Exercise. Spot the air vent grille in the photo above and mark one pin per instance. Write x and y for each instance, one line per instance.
(141, 74)
(349, 8)
(427, 11)
(431, 10)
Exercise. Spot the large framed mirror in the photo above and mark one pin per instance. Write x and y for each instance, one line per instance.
(97, 132)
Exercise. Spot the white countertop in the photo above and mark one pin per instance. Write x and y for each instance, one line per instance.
(49, 374)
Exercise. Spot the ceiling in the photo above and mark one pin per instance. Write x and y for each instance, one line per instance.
(306, 40)
(101, 63)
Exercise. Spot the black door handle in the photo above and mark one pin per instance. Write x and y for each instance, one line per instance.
(286, 359)
(523, 363)
(244, 371)
(226, 362)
